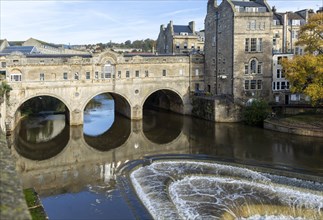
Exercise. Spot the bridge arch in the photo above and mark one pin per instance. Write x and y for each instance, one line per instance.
(165, 98)
(14, 114)
(122, 104)
(39, 95)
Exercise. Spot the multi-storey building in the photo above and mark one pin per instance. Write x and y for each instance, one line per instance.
(176, 39)
(285, 30)
(238, 48)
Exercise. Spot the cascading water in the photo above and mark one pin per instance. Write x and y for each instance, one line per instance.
(207, 190)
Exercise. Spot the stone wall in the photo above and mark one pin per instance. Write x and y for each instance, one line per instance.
(12, 203)
(217, 109)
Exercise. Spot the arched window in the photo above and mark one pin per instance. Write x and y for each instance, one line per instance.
(108, 71)
(253, 66)
(15, 75)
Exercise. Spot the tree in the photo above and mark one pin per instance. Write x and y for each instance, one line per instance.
(256, 112)
(305, 73)
(311, 34)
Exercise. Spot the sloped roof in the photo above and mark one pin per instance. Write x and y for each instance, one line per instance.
(247, 4)
(22, 49)
(182, 28)
(15, 43)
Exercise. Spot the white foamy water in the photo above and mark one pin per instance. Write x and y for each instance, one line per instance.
(201, 190)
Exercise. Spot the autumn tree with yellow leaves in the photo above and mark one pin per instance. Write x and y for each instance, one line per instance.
(305, 73)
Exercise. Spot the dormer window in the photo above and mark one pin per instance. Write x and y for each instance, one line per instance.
(183, 33)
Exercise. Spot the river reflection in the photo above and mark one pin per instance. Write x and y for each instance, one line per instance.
(73, 169)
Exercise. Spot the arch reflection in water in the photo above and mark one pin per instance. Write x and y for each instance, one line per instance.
(114, 137)
(162, 127)
(42, 137)
(184, 189)
(99, 115)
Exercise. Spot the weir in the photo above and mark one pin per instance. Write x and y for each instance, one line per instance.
(189, 188)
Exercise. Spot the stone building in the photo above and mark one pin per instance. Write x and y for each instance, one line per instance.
(177, 39)
(238, 49)
(285, 30)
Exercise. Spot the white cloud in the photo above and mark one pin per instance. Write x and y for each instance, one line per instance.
(83, 22)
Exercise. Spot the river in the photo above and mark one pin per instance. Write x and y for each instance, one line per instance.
(75, 170)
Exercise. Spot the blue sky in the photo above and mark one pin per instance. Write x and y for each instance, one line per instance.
(95, 21)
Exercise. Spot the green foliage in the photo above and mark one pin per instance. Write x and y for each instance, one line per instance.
(305, 74)
(4, 88)
(311, 34)
(255, 113)
(145, 45)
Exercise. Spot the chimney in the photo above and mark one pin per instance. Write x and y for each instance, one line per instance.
(211, 5)
(192, 26)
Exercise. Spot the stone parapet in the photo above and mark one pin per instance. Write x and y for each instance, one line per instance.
(12, 203)
(276, 126)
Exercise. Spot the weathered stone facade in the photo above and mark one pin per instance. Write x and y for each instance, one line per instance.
(177, 39)
(75, 80)
(238, 49)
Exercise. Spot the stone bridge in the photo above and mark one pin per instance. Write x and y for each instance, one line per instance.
(75, 80)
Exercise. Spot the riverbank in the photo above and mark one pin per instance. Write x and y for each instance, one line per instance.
(303, 124)
(12, 203)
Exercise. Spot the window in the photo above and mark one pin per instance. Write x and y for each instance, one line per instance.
(76, 76)
(193, 46)
(15, 61)
(96, 75)
(261, 25)
(137, 73)
(253, 84)
(259, 44)
(185, 45)
(283, 85)
(177, 45)
(127, 74)
(278, 86)
(87, 76)
(196, 72)
(252, 25)
(274, 42)
(247, 44)
(15, 77)
(294, 97)
(280, 59)
(65, 76)
(253, 66)
(119, 74)
(296, 22)
(164, 73)
(41, 76)
(253, 45)
(246, 84)
(294, 34)
(107, 70)
(3, 64)
(259, 84)
(146, 73)
(181, 72)
(246, 69)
